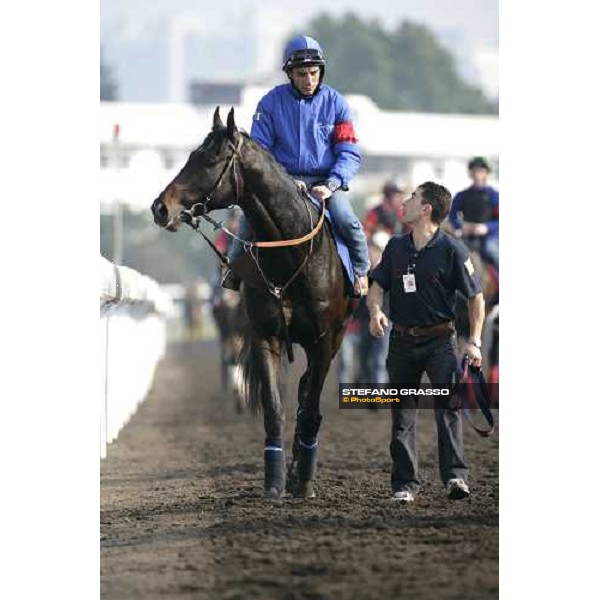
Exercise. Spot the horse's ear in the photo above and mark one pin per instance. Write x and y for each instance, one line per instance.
(232, 130)
(217, 123)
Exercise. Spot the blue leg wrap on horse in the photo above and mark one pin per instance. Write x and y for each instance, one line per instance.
(274, 465)
(307, 458)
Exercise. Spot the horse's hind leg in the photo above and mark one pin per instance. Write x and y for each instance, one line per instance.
(266, 361)
(308, 418)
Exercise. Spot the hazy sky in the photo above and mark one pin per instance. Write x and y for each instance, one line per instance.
(133, 32)
(478, 19)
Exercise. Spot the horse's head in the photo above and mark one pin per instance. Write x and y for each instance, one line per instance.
(209, 180)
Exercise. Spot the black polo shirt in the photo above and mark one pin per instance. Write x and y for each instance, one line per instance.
(441, 268)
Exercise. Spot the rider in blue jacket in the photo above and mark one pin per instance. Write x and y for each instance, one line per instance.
(307, 127)
(475, 213)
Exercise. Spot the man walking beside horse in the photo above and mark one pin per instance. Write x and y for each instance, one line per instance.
(422, 271)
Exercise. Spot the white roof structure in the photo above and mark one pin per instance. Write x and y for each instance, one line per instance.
(417, 146)
(154, 125)
(410, 134)
(380, 132)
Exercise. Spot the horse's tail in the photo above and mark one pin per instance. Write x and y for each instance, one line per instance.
(252, 387)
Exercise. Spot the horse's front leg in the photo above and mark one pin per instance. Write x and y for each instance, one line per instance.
(266, 365)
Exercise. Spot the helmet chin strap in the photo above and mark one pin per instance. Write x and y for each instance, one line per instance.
(289, 74)
(304, 95)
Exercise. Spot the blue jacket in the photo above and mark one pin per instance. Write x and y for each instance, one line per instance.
(308, 136)
(457, 206)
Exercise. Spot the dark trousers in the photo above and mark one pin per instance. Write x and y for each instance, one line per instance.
(408, 358)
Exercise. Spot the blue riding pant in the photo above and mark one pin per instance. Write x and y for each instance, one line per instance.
(343, 216)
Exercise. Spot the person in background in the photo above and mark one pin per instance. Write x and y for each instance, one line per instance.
(474, 214)
(387, 215)
(372, 351)
(223, 244)
(347, 356)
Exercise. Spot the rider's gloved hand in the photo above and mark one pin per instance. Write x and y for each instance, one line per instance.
(322, 192)
(300, 185)
(474, 228)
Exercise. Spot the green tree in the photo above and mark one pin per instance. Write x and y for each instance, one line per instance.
(359, 62)
(407, 69)
(425, 75)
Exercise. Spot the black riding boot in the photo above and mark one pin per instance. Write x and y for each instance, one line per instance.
(231, 281)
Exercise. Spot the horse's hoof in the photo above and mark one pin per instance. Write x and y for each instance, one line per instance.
(305, 489)
(272, 494)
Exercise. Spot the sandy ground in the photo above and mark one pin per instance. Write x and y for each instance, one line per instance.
(182, 514)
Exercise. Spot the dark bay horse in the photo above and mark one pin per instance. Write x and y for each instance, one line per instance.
(301, 298)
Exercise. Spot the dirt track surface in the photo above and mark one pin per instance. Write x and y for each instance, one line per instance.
(182, 514)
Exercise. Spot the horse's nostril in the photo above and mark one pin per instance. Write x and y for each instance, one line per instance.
(161, 210)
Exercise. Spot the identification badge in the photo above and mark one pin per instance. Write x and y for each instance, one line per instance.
(410, 285)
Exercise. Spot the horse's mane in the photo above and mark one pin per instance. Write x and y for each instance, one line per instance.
(286, 178)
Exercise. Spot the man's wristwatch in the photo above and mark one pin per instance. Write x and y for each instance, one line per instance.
(332, 185)
(474, 342)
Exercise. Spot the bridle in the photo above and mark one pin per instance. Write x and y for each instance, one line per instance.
(200, 210)
(190, 213)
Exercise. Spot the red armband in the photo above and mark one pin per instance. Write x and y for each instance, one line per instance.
(344, 132)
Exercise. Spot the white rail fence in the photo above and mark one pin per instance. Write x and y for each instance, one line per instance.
(132, 341)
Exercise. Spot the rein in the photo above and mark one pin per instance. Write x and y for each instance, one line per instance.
(297, 241)
(185, 215)
(472, 387)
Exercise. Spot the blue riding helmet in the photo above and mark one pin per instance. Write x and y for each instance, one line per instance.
(303, 51)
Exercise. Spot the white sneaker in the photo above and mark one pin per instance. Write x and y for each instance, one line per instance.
(404, 497)
(457, 489)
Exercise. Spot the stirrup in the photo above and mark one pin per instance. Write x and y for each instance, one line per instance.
(231, 281)
(361, 286)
